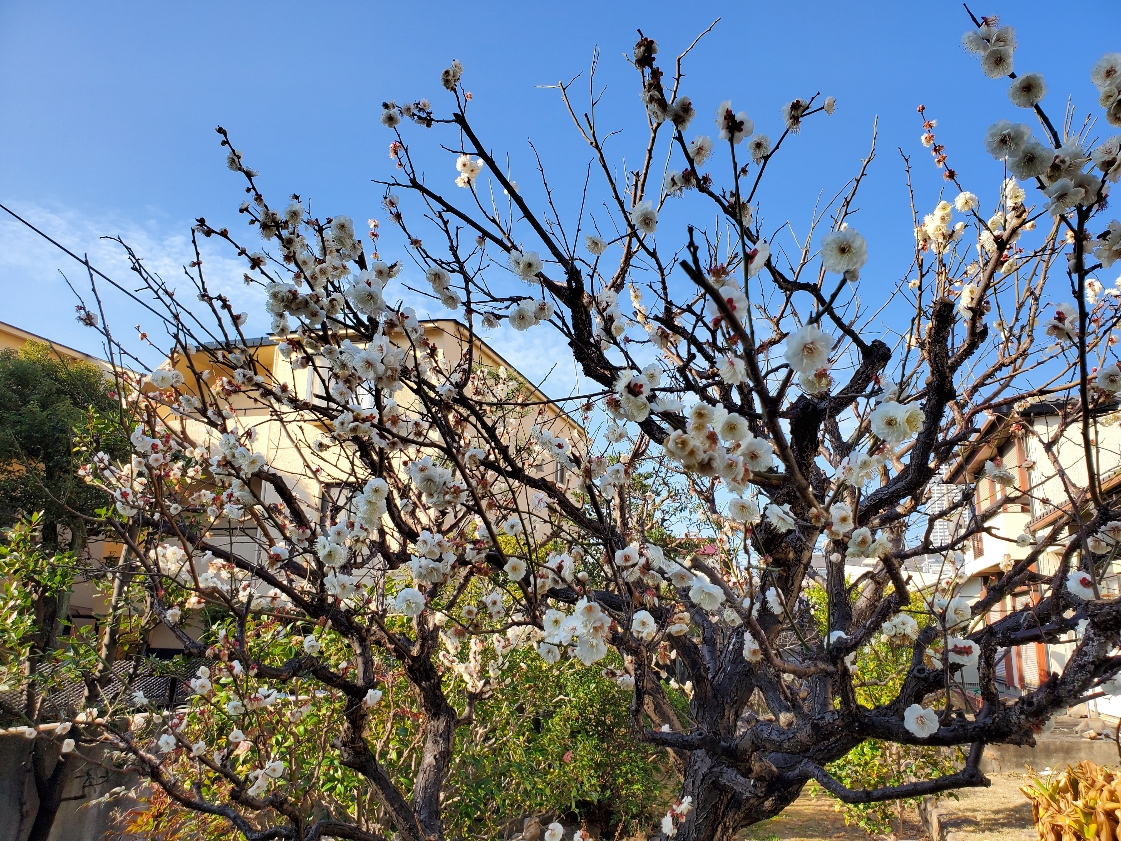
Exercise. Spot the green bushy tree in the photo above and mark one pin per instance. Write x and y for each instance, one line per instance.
(880, 669)
(51, 409)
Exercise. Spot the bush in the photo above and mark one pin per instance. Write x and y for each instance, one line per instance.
(880, 669)
(1076, 804)
(50, 407)
(555, 740)
(547, 740)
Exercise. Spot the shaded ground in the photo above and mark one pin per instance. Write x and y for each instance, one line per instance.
(814, 818)
(998, 813)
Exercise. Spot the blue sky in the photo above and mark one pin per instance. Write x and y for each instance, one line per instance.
(107, 112)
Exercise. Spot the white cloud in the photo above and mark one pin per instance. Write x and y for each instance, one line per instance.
(37, 297)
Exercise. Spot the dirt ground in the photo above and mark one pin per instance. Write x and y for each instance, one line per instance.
(812, 818)
(998, 813)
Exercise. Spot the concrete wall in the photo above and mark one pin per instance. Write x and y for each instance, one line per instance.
(1049, 753)
(76, 820)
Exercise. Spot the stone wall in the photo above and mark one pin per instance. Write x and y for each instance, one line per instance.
(78, 819)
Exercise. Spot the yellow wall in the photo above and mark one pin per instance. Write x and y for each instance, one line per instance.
(287, 446)
(15, 338)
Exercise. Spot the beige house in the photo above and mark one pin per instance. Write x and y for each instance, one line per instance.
(1053, 479)
(323, 480)
(289, 445)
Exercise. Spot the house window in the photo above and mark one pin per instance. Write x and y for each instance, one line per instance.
(237, 540)
(319, 380)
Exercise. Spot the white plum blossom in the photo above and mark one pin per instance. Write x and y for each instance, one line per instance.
(743, 511)
(759, 146)
(526, 264)
(643, 625)
(1107, 156)
(644, 217)
(1097, 545)
(1106, 76)
(966, 202)
(997, 62)
(957, 612)
(1064, 324)
(371, 698)
(792, 114)
(1108, 250)
(1005, 139)
(590, 649)
(757, 257)
(840, 520)
(921, 721)
(843, 251)
(733, 298)
(595, 245)
(163, 378)
(331, 554)
(732, 126)
(901, 628)
(700, 148)
(758, 454)
(962, 651)
(774, 601)
(1064, 195)
(201, 684)
(705, 595)
(1079, 583)
(522, 318)
(1106, 71)
(752, 653)
(1027, 91)
(889, 423)
(807, 349)
(681, 113)
(733, 428)
(779, 517)
(860, 542)
(468, 170)
(1109, 378)
(410, 602)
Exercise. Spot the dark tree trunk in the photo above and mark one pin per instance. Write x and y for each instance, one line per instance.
(50, 783)
(439, 738)
(724, 801)
(439, 734)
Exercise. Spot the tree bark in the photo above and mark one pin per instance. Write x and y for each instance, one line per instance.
(439, 737)
(724, 801)
(50, 783)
